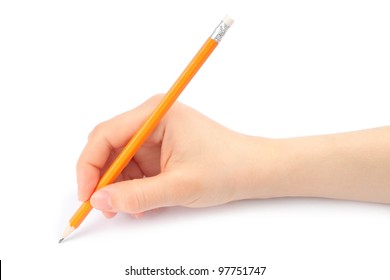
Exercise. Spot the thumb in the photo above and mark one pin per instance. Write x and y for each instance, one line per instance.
(139, 195)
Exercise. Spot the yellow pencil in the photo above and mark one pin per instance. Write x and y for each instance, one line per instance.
(146, 129)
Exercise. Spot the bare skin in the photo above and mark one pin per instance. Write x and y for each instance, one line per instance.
(191, 161)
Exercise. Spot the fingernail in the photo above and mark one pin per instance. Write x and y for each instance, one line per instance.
(109, 215)
(80, 196)
(81, 190)
(101, 200)
(138, 215)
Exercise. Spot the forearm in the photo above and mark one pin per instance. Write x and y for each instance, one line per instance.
(352, 166)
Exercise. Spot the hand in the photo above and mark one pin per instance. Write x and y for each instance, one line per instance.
(188, 160)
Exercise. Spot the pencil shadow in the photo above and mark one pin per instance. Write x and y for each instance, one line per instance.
(97, 224)
(159, 217)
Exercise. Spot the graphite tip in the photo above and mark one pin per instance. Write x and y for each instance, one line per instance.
(66, 233)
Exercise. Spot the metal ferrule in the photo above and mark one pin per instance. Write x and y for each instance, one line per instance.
(219, 32)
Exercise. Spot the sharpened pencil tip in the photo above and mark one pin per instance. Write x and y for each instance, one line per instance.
(66, 233)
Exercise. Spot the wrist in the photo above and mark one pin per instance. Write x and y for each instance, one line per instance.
(264, 172)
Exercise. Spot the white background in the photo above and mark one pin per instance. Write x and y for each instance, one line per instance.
(285, 68)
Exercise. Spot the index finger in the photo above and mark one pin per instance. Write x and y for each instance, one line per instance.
(103, 140)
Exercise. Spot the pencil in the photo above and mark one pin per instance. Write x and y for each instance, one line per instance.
(147, 128)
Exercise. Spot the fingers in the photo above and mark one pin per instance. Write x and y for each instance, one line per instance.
(109, 215)
(139, 195)
(103, 140)
(87, 178)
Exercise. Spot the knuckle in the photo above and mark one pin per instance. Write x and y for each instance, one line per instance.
(96, 131)
(155, 99)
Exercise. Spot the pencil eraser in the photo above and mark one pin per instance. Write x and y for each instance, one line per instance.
(228, 20)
